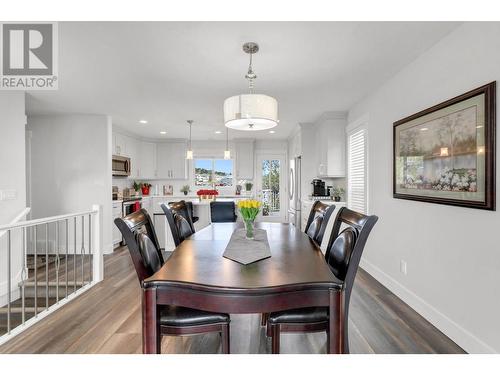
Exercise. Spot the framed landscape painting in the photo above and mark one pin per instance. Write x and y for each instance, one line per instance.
(446, 154)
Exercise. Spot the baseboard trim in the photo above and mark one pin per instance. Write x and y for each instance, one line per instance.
(463, 338)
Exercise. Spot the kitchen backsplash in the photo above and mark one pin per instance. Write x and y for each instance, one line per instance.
(177, 185)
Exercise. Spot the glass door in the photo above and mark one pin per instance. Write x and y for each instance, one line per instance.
(270, 187)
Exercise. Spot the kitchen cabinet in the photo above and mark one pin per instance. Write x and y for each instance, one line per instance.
(119, 147)
(244, 169)
(147, 160)
(171, 160)
(330, 143)
(131, 149)
(295, 145)
(162, 229)
(117, 212)
(147, 204)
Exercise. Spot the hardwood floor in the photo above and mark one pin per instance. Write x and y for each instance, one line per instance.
(107, 319)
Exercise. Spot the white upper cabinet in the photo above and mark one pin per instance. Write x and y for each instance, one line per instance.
(119, 147)
(152, 160)
(131, 149)
(147, 160)
(179, 167)
(295, 145)
(171, 160)
(330, 142)
(244, 159)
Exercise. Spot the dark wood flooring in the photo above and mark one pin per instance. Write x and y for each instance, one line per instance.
(107, 319)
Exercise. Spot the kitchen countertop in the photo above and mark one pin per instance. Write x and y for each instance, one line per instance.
(328, 201)
(187, 197)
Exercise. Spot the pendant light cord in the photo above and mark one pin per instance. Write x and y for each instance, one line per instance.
(190, 122)
(251, 76)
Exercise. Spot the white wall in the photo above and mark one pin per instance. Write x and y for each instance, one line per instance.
(71, 167)
(453, 253)
(12, 153)
(12, 177)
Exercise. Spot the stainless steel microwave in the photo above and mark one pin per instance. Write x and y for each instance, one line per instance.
(121, 165)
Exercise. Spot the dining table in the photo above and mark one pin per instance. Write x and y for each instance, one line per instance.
(197, 276)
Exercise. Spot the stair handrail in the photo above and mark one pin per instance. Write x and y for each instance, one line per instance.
(45, 220)
(5, 227)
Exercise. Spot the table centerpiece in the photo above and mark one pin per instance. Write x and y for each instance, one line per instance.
(249, 209)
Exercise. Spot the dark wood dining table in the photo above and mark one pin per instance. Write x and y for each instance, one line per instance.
(197, 276)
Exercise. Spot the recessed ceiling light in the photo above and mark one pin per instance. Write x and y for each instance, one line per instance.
(163, 132)
(143, 121)
(218, 132)
(424, 129)
(272, 131)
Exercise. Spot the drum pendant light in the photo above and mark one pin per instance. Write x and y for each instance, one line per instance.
(251, 111)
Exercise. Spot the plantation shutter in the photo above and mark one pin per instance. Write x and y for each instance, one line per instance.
(356, 183)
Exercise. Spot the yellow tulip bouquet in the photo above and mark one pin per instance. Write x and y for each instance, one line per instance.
(249, 209)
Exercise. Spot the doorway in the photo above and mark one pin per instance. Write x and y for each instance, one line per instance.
(270, 187)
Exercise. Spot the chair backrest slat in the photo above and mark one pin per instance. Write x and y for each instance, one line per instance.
(130, 226)
(185, 209)
(222, 212)
(318, 220)
(180, 227)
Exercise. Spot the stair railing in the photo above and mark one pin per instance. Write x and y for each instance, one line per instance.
(46, 263)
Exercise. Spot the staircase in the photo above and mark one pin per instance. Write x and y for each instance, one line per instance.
(67, 261)
(48, 292)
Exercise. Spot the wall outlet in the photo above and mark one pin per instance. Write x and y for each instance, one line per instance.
(402, 267)
(8, 195)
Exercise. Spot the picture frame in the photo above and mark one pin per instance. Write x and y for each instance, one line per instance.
(446, 154)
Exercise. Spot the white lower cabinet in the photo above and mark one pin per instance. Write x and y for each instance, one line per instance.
(161, 226)
(117, 212)
(147, 204)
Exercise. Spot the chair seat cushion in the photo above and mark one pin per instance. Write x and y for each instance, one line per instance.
(183, 316)
(304, 315)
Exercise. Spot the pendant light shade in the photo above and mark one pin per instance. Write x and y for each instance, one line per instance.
(251, 112)
(189, 155)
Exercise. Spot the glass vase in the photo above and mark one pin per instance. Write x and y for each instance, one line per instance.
(249, 228)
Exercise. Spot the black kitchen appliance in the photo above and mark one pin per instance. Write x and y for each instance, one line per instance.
(318, 187)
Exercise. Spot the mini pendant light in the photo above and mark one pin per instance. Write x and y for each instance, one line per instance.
(189, 153)
(227, 153)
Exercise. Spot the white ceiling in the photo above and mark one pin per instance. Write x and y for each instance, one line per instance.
(168, 72)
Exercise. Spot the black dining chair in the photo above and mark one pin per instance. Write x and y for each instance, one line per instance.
(180, 227)
(222, 212)
(147, 260)
(186, 210)
(318, 221)
(141, 221)
(343, 256)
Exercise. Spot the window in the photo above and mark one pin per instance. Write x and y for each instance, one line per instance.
(210, 171)
(356, 170)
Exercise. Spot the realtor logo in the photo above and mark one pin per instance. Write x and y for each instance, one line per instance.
(28, 56)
